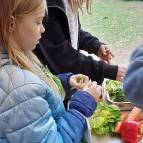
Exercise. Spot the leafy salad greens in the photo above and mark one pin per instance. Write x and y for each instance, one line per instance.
(115, 91)
(104, 119)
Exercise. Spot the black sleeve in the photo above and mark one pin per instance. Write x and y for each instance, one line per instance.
(88, 42)
(55, 50)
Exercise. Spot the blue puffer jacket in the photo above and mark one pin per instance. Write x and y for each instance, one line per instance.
(30, 112)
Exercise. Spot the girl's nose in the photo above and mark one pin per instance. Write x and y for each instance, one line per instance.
(42, 29)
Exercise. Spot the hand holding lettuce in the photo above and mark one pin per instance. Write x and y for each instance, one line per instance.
(106, 118)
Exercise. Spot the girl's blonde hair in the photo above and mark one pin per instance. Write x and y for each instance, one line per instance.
(24, 59)
(77, 4)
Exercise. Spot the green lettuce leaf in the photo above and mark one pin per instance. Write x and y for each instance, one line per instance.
(104, 119)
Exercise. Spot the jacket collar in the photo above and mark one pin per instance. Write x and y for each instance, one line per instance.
(56, 3)
(4, 59)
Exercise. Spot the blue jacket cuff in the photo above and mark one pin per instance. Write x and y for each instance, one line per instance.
(83, 102)
(65, 80)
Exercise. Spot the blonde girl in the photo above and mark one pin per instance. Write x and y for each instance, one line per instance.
(31, 109)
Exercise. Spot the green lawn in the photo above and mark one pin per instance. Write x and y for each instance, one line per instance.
(117, 22)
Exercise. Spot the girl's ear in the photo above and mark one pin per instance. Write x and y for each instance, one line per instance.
(12, 24)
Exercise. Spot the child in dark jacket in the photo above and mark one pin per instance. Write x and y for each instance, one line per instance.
(63, 39)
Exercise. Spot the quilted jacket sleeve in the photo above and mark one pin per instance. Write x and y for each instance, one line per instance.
(64, 78)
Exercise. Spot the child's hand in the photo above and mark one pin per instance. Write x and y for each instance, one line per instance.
(93, 89)
(78, 81)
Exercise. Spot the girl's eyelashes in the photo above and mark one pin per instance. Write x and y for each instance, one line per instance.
(39, 22)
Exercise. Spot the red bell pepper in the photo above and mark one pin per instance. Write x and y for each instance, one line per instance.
(131, 131)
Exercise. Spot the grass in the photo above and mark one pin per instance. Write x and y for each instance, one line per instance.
(117, 22)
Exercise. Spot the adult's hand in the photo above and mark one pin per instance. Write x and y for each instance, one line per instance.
(104, 53)
(120, 73)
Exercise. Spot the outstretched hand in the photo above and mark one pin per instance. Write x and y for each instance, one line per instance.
(104, 53)
(120, 73)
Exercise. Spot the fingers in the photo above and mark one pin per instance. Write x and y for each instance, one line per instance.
(82, 79)
(78, 81)
(109, 55)
(86, 79)
(93, 85)
(93, 89)
(121, 73)
(134, 114)
(105, 53)
(117, 127)
(82, 82)
(99, 90)
(104, 49)
(87, 85)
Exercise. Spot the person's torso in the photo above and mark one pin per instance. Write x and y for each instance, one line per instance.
(29, 85)
(47, 46)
